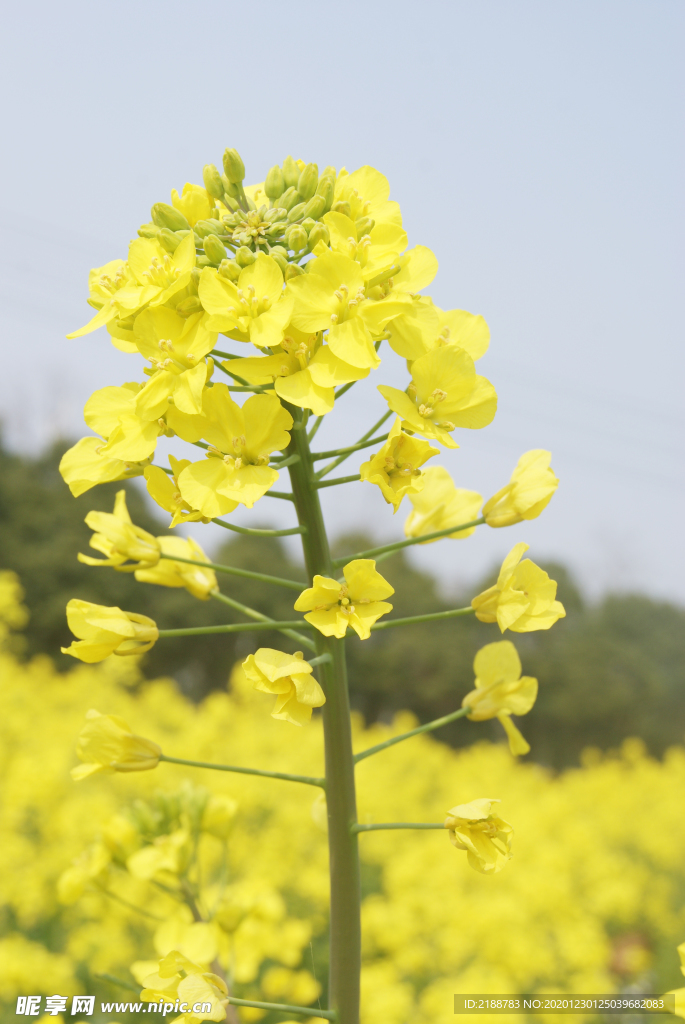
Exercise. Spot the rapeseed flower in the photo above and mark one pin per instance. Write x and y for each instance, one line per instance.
(236, 469)
(445, 393)
(164, 489)
(501, 691)
(440, 505)
(126, 547)
(84, 466)
(395, 467)
(523, 599)
(198, 580)
(107, 744)
(529, 491)
(195, 203)
(358, 602)
(485, 836)
(255, 308)
(288, 676)
(178, 978)
(102, 631)
(176, 347)
(423, 327)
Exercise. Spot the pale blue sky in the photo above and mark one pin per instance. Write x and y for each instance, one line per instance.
(535, 146)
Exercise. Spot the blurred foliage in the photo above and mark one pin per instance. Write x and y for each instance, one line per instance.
(607, 671)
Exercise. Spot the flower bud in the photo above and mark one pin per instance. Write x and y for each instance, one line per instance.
(212, 181)
(211, 226)
(244, 256)
(343, 207)
(166, 216)
(169, 239)
(296, 238)
(293, 271)
(296, 213)
(229, 269)
(364, 225)
(214, 248)
(319, 233)
(274, 186)
(308, 223)
(148, 231)
(186, 307)
(326, 188)
(234, 168)
(281, 258)
(315, 207)
(289, 199)
(291, 172)
(308, 180)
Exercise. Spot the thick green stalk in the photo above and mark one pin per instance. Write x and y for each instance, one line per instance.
(345, 925)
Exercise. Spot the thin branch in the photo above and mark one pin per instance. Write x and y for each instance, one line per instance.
(348, 451)
(341, 458)
(252, 613)
(428, 727)
(290, 461)
(338, 480)
(388, 548)
(384, 826)
(118, 981)
(312, 433)
(410, 620)
(235, 627)
(305, 1011)
(259, 533)
(279, 494)
(307, 780)
(125, 903)
(232, 571)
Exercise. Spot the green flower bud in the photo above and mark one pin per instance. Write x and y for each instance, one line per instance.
(169, 239)
(364, 225)
(188, 306)
(291, 172)
(296, 213)
(203, 261)
(229, 269)
(234, 168)
(208, 227)
(308, 180)
(308, 223)
(166, 216)
(315, 207)
(342, 207)
(293, 271)
(329, 172)
(212, 180)
(148, 231)
(289, 198)
(326, 188)
(244, 256)
(215, 249)
(278, 250)
(296, 238)
(319, 233)
(277, 213)
(274, 186)
(280, 259)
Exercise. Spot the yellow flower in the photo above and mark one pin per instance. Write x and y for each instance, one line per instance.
(178, 978)
(486, 837)
(103, 285)
(374, 248)
(103, 631)
(367, 190)
(445, 393)
(91, 866)
(358, 602)
(106, 744)
(236, 469)
(423, 327)
(440, 505)
(150, 277)
(254, 309)
(528, 492)
(126, 547)
(290, 677)
(164, 489)
(176, 347)
(84, 466)
(200, 582)
(111, 412)
(679, 993)
(395, 468)
(523, 599)
(329, 297)
(501, 691)
(195, 203)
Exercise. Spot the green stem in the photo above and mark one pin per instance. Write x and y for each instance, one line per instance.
(252, 613)
(118, 981)
(345, 923)
(384, 826)
(126, 903)
(233, 627)
(279, 494)
(338, 480)
(258, 533)
(312, 433)
(410, 620)
(348, 451)
(285, 462)
(369, 433)
(305, 1011)
(428, 727)
(232, 571)
(308, 780)
(389, 548)
(246, 386)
